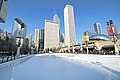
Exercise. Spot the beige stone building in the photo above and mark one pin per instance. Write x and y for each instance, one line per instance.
(36, 39)
(52, 33)
(69, 23)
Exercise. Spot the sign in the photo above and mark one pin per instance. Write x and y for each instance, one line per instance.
(86, 38)
(111, 30)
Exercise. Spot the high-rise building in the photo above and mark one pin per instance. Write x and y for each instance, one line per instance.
(1, 31)
(89, 33)
(19, 30)
(62, 38)
(70, 35)
(3, 10)
(4, 35)
(52, 32)
(30, 41)
(41, 39)
(97, 28)
(36, 39)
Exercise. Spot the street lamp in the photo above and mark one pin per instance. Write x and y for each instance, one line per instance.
(114, 40)
(18, 49)
(112, 32)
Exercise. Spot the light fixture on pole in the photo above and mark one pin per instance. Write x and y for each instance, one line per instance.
(112, 32)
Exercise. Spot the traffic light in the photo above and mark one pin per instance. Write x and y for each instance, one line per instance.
(111, 22)
(107, 23)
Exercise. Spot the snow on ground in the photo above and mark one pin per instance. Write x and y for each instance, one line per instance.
(111, 62)
(46, 67)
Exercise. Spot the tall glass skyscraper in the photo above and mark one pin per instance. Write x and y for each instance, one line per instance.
(70, 35)
(41, 39)
(19, 30)
(97, 28)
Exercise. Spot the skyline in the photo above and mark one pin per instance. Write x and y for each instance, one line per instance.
(86, 14)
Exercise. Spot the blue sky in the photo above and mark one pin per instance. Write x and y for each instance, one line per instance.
(87, 12)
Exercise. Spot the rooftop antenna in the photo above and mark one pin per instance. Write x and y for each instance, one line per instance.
(54, 12)
(85, 27)
(90, 27)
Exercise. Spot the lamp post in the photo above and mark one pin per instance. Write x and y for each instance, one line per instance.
(114, 40)
(113, 33)
(18, 49)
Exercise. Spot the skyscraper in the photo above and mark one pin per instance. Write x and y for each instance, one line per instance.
(19, 31)
(70, 35)
(3, 10)
(62, 38)
(36, 39)
(19, 28)
(1, 31)
(97, 28)
(52, 32)
(30, 41)
(41, 39)
(4, 35)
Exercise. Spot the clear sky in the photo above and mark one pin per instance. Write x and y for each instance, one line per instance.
(87, 12)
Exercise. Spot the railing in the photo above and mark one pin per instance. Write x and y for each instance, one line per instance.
(5, 57)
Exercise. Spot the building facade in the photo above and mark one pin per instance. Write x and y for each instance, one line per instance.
(1, 31)
(4, 35)
(36, 39)
(3, 10)
(70, 35)
(62, 38)
(19, 30)
(52, 33)
(41, 39)
(97, 28)
(30, 41)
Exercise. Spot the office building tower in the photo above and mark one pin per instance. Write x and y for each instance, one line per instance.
(41, 39)
(97, 28)
(52, 32)
(70, 35)
(89, 33)
(62, 38)
(36, 39)
(1, 31)
(30, 41)
(4, 35)
(3, 10)
(19, 30)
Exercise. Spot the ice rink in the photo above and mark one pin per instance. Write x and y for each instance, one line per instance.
(50, 68)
